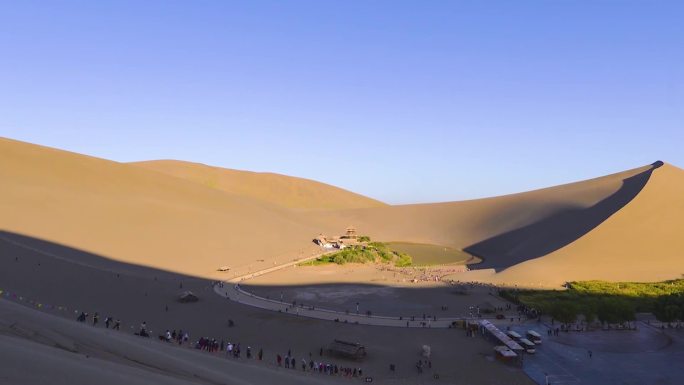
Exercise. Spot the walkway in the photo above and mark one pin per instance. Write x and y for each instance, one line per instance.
(231, 290)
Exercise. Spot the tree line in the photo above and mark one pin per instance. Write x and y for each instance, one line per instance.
(607, 302)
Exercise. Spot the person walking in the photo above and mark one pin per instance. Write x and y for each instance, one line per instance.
(260, 354)
(591, 354)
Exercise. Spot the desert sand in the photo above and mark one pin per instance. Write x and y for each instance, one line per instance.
(279, 190)
(124, 239)
(38, 348)
(135, 294)
(193, 219)
(132, 214)
(641, 242)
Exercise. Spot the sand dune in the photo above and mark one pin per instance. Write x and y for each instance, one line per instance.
(641, 242)
(503, 230)
(193, 218)
(280, 190)
(136, 215)
(142, 222)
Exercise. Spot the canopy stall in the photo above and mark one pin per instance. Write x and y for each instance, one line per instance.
(347, 349)
(490, 331)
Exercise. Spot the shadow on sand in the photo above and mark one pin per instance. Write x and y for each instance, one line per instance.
(61, 275)
(556, 231)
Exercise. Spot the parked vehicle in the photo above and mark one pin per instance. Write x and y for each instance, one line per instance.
(514, 335)
(527, 345)
(534, 337)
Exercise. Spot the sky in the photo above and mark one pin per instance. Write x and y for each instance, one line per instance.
(403, 101)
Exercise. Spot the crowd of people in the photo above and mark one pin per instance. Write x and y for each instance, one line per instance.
(109, 321)
(315, 366)
(234, 350)
(424, 274)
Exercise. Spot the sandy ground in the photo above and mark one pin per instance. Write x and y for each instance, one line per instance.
(135, 294)
(378, 274)
(38, 348)
(122, 239)
(380, 289)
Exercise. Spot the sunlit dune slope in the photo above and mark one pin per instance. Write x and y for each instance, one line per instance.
(644, 241)
(621, 226)
(136, 215)
(503, 230)
(277, 189)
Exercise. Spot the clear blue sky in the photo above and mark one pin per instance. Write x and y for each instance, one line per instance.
(402, 101)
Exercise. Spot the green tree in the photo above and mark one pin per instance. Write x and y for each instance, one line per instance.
(565, 312)
(669, 308)
(615, 310)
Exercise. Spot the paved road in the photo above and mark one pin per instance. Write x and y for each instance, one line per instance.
(232, 290)
(645, 357)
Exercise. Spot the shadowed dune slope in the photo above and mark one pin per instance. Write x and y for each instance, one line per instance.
(557, 230)
(280, 190)
(38, 348)
(136, 215)
(503, 230)
(641, 242)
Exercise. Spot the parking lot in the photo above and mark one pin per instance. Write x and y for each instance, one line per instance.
(648, 356)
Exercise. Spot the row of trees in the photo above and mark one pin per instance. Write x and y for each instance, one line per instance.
(605, 310)
(669, 308)
(607, 302)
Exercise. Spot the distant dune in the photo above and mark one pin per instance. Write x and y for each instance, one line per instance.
(132, 214)
(192, 218)
(280, 190)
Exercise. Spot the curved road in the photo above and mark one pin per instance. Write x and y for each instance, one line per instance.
(231, 290)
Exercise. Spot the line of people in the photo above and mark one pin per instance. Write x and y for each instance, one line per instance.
(109, 321)
(213, 345)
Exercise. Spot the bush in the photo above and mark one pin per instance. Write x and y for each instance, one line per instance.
(373, 252)
(403, 260)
